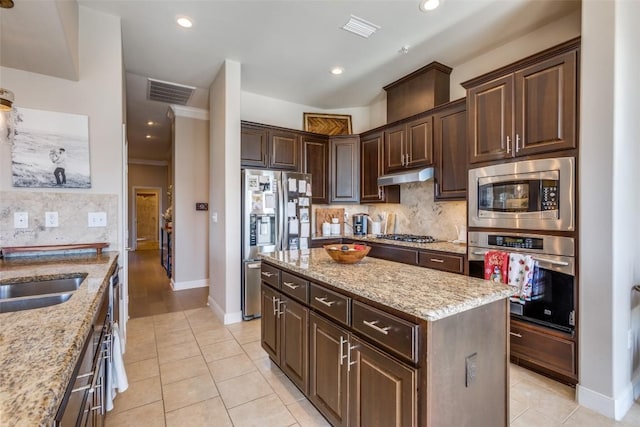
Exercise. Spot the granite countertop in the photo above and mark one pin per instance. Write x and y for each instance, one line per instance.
(422, 292)
(39, 348)
(442, 246)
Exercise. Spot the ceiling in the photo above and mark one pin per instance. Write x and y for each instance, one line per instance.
(286, 48)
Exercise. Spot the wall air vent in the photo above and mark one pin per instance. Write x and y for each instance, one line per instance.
(171, 93)
(360, 27)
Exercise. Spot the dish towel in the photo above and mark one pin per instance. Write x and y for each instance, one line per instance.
(116, 375)
(495, 266)
(521, 273)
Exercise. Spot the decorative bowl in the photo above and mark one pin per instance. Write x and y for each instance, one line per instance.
(347, 254)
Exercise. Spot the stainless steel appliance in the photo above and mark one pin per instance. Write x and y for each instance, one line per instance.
(407, 238)
(359, 224)
(555, 256)
(276, 215)
(531, 194)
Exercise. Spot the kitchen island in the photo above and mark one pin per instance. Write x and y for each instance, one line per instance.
(39, 348)
(384, 343)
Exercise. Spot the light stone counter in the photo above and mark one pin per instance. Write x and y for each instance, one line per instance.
(39, 348)
(421, 292)
(442, 246)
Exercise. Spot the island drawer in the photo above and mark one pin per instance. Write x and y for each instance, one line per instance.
(270, 275)
(330, 303)
(440, 261)
(295, 287)
(394, 334)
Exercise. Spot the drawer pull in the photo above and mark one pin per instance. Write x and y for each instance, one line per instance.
(437, 260)
(84, 387)
(342, 355)
(373, 325)
(324, 301)
(266, 274)
(290, 285)
(515, 335)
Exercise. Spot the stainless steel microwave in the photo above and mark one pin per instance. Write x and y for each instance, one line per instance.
(530, 194)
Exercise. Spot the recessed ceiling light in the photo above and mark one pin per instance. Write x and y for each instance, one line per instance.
(184, 22)
(148, 136)
(427, 5)
(336, 71)
(150, 123)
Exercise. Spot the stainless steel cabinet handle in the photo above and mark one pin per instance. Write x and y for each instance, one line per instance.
(515, 335)
(402, 160)
(280, 312)
(349, 362)
(508, 144)
(88, 374)
(373, 325)
(84, 387)
(408, 159)
(342, 355)
(437, 260)
(255, 266)
(480, 252)
(551, 261)
(273, 301)
(290, 285)
(517, 142)
(266, 274)
(324, 301)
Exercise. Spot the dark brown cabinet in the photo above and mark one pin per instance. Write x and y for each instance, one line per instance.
(316, 162)
(270, 324)
(371, 154)
(525, 109)
(344, 169)
(408, 145)
(450, 152)
(266, 147)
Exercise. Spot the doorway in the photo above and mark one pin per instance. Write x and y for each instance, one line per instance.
(146, 218)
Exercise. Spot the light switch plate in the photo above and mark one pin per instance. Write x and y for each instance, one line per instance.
(51, 219)
(97, 219)
(21, 220)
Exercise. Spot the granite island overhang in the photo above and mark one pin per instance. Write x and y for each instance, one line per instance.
(448, 332)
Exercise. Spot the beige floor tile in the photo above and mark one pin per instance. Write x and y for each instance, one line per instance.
(534, 418)
(633, 416)
(142, 370)
(187, 392)
(247, 336)
(151, 415)
(547, 383)
(136, 352)
(266, 366)
(554, 405)
(285, 389)
(208, 413)
(584, 417)
(267, 411)
(516, 408)
(178, 352)
(231, 367)
(212, 335)
(221, 350)
(168, 317)
(138, 394)
(183, 369)
(174, 337)
(307, 415)
(254, 350)
(141, 324)
(243, 389)
(244, 325)
(172, 324)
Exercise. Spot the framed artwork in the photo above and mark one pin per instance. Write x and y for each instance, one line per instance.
(50, 150)
(327, 124)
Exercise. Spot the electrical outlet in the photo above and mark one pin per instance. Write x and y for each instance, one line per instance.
(51, 219)
(97, 219)
(471, 362)
(21, 220)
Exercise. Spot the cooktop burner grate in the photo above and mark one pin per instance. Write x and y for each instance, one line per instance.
(407, 238)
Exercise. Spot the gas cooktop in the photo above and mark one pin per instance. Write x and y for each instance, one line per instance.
(407, 238)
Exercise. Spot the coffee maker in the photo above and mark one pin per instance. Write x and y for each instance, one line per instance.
(359, 224)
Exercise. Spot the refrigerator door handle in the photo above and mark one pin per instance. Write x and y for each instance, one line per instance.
(283, 235)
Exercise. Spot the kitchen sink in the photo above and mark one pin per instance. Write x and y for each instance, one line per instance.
(41, 287)
(17, 304)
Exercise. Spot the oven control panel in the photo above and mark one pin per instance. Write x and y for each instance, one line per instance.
(518, 242)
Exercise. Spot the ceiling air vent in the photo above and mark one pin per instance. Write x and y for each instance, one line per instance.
(360, 27)
(171, 93)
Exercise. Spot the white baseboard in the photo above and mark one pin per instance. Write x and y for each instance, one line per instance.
(227, 318)
(612, 408)
(180, 286)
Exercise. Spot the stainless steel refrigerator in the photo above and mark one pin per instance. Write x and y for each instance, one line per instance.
(276, 215)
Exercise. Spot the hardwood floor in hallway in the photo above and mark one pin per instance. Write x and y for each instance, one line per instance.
(150, 290)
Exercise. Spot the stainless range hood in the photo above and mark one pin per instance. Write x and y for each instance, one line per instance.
(415, 175)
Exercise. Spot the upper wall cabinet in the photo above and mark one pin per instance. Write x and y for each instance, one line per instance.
(408, 145)
(345, 169)
(526, 108)
(265, 147)
(315, 160)
(450, 151)
(371, 146)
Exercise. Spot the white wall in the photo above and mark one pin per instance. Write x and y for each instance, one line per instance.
(608, 257)
(224, 194)
(276, 112)
(190, 185)
(97, 93)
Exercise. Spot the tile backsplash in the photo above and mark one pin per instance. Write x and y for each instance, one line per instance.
(72, 208)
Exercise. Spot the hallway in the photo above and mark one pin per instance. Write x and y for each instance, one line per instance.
(150, 290)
